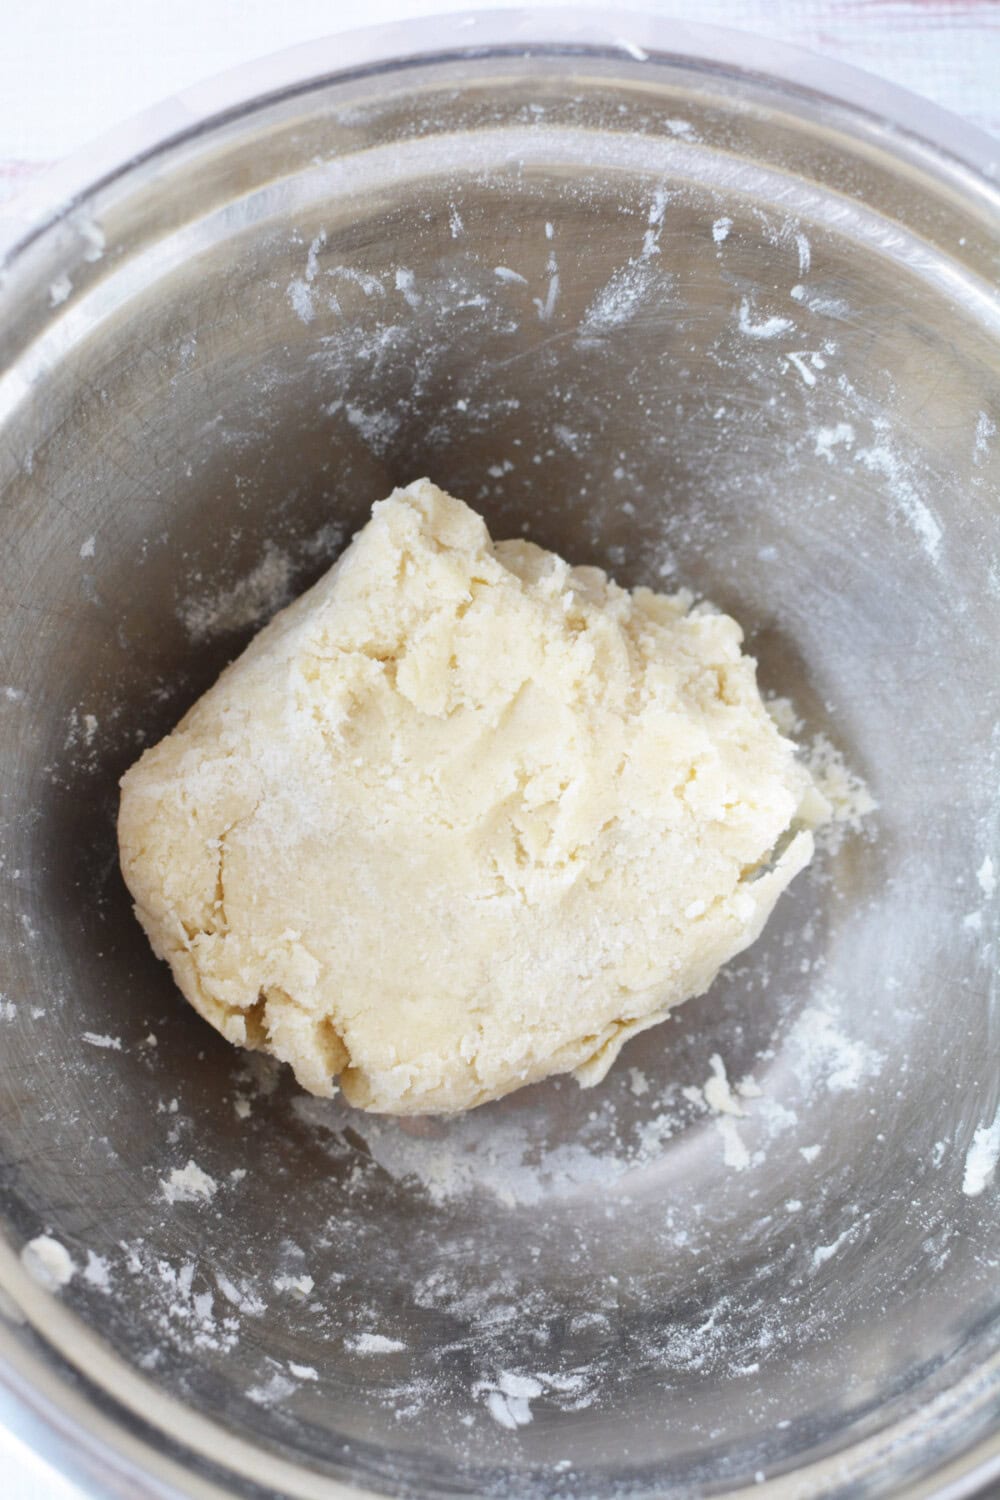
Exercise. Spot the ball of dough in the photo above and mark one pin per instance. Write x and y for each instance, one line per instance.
(461, 817)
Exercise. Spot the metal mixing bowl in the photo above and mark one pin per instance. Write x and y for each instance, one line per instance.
(701, 310)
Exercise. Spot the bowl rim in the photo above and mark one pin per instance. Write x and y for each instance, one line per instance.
(630, 35)
(75, 1415)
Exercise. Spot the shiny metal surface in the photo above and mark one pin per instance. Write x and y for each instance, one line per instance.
(750, 344)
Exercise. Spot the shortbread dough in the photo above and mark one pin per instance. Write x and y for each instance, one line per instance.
(463, 816)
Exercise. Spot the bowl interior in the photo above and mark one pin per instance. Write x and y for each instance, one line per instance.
(629, 312)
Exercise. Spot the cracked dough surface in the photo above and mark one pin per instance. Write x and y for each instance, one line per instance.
(461, 817)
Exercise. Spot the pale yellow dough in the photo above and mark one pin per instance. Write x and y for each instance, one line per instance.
(461, 817)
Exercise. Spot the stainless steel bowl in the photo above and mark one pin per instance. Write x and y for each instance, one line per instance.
(699, 309)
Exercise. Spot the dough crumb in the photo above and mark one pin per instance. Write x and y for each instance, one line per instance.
(716, 1090)
(981, 1158)
(734, 1153)
(188, 1184)
(638, 1082)
(298, 1286)
(464, 816)
(96, 1272)
(48, 1261)
(848, 798)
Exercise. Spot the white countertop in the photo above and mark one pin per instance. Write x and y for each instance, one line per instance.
(70, 71)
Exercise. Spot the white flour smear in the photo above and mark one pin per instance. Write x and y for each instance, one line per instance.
(981, 1158)
(882, 458)
(248, 601)
(254, 597)
(822, 1054)
(375, 1343)
(180, 1298)
(625, 295)
(761, 328)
